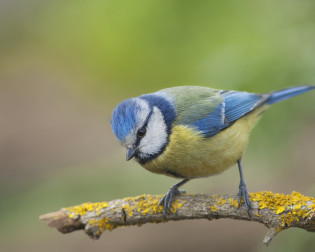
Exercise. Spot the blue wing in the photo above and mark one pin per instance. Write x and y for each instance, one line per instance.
(234, 106)
(238, 104)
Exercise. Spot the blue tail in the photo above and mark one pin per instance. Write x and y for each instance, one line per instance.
(283, 94)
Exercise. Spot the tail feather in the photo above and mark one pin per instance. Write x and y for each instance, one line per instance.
(283, 94)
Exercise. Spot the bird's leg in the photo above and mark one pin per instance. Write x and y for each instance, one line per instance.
(243, 190)
(168, 198)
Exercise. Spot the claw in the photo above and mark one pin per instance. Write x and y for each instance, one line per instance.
(244, 193)
(168, 199)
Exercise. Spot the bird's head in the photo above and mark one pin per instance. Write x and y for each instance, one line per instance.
(139, 124)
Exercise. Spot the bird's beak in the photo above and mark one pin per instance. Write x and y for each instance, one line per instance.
(130, 153)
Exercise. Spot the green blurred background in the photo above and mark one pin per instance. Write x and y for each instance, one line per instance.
(64, 66)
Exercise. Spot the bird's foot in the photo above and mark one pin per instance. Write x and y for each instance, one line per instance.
(244, 193)
(168, 199)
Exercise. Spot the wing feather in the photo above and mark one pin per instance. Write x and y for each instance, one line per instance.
(211, 110)
(234, 106)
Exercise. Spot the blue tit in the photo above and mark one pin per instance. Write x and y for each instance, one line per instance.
(190, 132)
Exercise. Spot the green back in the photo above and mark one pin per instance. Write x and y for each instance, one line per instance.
(193, 102)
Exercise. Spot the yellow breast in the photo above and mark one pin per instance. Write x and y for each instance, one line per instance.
(189, 154)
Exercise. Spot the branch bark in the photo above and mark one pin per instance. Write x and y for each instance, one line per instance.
(276, 211)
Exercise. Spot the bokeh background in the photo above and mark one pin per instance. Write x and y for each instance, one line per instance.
(64, 66)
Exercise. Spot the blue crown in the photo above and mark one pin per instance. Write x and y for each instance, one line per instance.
(124, 118)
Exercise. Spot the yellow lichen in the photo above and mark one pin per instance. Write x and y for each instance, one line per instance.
(220, 201)
(102, 224)
(280, 203)
(128, 209)
(297, 206)
(278, 229)
(234, 202)
(288, 218)
(280, 209)
(147, 204)
(213, 208)
(176, 205)
(86, 207)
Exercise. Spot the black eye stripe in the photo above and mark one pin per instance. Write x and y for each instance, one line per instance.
(144, 126)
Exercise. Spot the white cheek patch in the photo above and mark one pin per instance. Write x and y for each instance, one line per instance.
(156, 135)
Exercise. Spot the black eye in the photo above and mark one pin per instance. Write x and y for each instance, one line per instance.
(141, 132)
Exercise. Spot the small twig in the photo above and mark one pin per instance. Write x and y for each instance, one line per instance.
(276, 211)
(269, 236)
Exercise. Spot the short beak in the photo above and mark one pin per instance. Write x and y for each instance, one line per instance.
(130, 153)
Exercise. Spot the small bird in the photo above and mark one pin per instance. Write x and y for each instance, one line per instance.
(190, 132)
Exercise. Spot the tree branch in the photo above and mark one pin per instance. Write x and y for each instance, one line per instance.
(276, 211)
